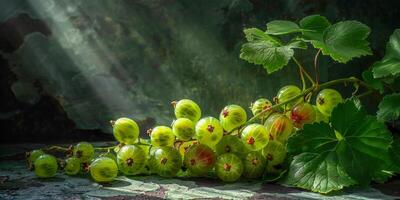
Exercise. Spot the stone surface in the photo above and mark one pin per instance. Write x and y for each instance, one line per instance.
(17, 182)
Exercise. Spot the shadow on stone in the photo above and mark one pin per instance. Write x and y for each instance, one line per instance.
(49, 180)
(116, 184)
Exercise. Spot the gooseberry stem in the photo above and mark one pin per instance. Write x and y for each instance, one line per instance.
(104, 148)
(316, 66)
(304, 71)
(313, 88)
(56, 148)
(365, 93)
(65, 149)
(303, 82)
(139, 143)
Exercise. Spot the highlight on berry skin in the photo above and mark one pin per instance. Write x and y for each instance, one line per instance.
(199, 159)
(103, 169)
(209, 131)
(327, 100)
(232, 117)
(261, 105)
(183, 128)
(165, 161)
(255, 137)
(302, 113)
(187, 108)
(162, 136)
(125, 130)
(229, 167)
(231, 144)
(279, 127)
(131, 159)
(286, 93)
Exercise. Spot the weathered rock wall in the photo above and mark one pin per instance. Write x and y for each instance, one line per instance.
(70, 65)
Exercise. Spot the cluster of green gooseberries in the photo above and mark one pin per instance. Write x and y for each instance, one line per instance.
(229, 147)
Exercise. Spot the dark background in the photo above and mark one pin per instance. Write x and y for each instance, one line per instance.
(68, 67)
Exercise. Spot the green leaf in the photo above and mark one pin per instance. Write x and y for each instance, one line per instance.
(280, 27)
(297, 44)
(266, 53)
(393, 162)
(389, 107)
(395, 155)
(390, 64)
(364, 149)
(344, 41)
(255, 34)
(352, 150)
(357, 102)
(263, 49)
(313, 143)
(318, 172)
(346, 116)
(371, 81)
(273, 177)
(382, 176)
(314, 26)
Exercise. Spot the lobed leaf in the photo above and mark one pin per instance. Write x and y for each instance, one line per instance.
(318, 172)
(364, 149)
(297, 44)
(395, 155)
(355, 146)
(265, 53)
(389, 107)
(263, 49)
(255, 34)
(314, 26)
(281, 27)
(371, 81)
(344, 41)
(313, 140)
(390, 64)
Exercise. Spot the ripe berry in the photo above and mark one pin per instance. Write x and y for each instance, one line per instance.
(302, 113)
(259, 105)
(255, 137)
(232, 116)
(199, 159)
(279, 127)
(287, 93)
(229, 167)
(187, 108)
(125, 130)
(327, 99)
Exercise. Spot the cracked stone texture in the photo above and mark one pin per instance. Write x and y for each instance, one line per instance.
(17, 182)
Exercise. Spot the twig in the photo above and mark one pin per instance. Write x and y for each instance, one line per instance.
(304, 71)
(316, 67)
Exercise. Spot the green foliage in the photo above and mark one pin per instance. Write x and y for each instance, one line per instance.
(383, 73)
(265, 50)
(314, 26)
(390, 64)
(395, 154)
(352, 150)
(341, 41)
(344, 41)
(375, 83)
(389, 108)
(281, 27)
(355, 148)
(318, 172)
